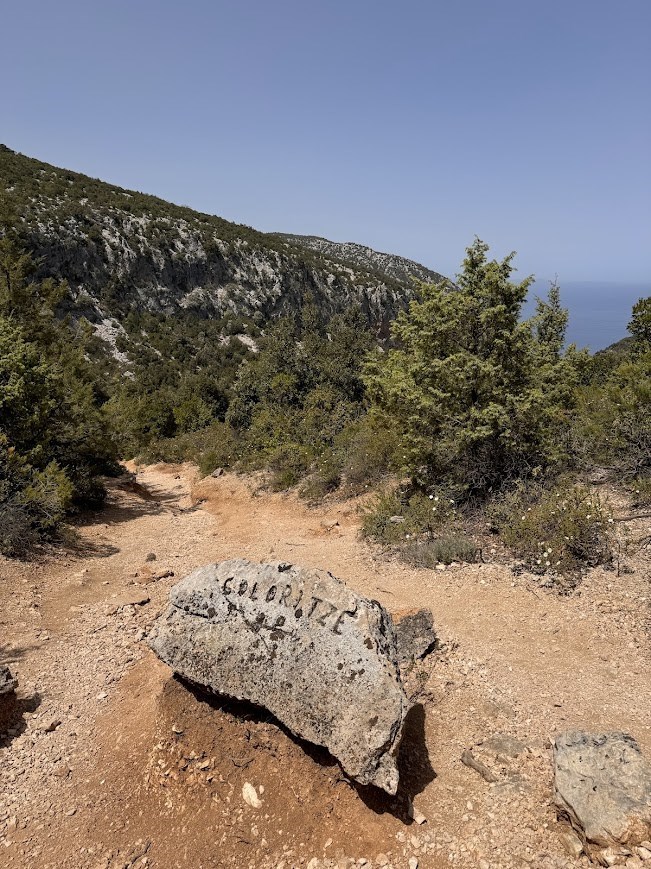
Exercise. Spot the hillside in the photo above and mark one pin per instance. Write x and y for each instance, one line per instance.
(386, 264)
(126, 252)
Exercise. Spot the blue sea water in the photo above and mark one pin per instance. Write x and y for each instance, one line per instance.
(599, 310)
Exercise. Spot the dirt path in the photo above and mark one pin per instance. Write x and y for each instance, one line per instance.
(115, 764)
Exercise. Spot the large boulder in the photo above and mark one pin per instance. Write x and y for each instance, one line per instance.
(299, 643)
(602, 785)
(8, 704)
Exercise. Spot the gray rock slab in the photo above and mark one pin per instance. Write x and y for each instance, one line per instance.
(301, 644)
(602, 784)
(415, 634)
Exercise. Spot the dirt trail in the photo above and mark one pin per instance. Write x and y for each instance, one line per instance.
(115, 764)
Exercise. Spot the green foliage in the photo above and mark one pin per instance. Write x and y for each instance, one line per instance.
(612, 422)
(289, 464)
(640, 324)
(443, 550)
(53, 440)
(293, 400)
(479, 396)
(215, 446)
(403, 514)
(557, 530)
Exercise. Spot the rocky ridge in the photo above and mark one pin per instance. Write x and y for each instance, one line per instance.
(398, 267)
(122, 251)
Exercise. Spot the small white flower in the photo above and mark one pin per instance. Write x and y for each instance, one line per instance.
(523, 518)
(537, 561)
(431, 497)
(610, 520)
(436, 499)
(547, 563)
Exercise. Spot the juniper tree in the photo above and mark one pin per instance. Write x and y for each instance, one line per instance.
(475, 390)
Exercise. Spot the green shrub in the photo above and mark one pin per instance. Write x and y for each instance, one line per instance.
(216, 446)
(368, 449)
(399, 515)
(559, 530)
(325, 477)
(288, 464)
(445, 550)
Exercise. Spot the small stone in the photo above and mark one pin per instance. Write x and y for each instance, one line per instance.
(70, 812)
(250, 796)
(382, 860)
(413, 863)
(52, 725)
(102, 695)
(176, 729)
(151, 556)
(571, 842)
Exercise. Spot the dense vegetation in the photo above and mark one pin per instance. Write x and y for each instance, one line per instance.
(473, 409)
(54, 444)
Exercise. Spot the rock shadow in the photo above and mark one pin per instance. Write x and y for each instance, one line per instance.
(414, 766)
(415, 769)
(12, 715)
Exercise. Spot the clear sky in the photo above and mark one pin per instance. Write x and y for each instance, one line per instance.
(409, 126)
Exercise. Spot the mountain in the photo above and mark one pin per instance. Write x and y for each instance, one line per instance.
(124, 252)
(385, 264)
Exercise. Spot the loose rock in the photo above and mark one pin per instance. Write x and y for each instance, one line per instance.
(300, 643)
(415, 634)
(602, 785)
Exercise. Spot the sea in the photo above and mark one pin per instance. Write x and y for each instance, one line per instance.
(599, 310)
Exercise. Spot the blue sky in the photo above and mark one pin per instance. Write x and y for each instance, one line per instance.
(410, 126)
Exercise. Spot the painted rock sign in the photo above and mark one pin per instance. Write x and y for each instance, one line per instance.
(300, 643)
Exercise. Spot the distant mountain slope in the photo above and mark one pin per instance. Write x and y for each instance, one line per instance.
(123, 252)
(388, 264)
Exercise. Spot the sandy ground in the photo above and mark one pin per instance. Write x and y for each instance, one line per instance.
(114, 763)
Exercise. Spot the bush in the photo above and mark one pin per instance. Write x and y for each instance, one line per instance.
(368, 450)
(325, 478)
(444, 550)
(288, 463)
(403, 515)
(216, 446)
(560, 530)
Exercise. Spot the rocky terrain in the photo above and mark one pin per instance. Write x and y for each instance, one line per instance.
(113, 762)
(397, 267)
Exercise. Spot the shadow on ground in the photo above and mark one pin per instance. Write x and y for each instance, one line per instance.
(414, 765)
